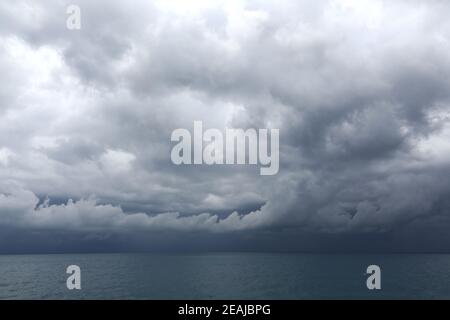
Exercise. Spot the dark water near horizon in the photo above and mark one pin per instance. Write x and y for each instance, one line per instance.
(225, 276)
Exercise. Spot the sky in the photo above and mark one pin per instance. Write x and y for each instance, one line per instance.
(359, 91)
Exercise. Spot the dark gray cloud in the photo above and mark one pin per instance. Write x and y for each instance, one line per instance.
(358, 89)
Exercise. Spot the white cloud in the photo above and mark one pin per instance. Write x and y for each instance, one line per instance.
(5, 155)
(117, 161)
(354, 87)
(19, 207)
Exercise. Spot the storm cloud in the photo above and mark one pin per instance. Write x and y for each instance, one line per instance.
(359, 90)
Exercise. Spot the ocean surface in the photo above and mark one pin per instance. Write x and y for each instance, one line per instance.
(225, 276)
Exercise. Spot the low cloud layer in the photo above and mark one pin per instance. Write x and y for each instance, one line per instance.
(359, 90)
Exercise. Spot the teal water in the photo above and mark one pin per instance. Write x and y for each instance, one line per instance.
(224, 276)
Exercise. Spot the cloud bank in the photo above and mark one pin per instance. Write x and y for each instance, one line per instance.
(359, 90)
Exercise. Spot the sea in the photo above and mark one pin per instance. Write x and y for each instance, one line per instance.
(225, 276)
